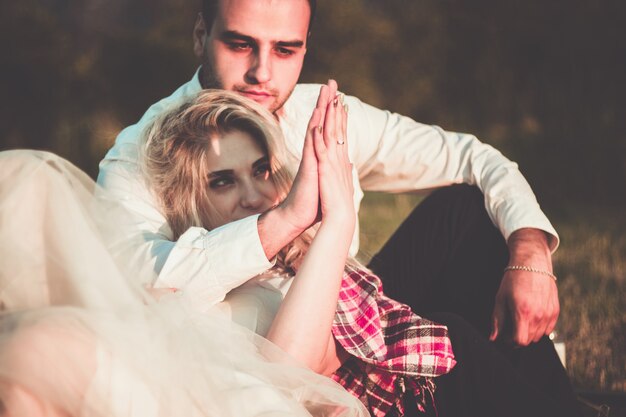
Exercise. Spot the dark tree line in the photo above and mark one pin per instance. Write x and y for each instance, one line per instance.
(543, 81)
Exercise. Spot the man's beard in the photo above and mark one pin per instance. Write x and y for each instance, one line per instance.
(208, 80)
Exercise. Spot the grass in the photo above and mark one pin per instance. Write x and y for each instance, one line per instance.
(591, 266)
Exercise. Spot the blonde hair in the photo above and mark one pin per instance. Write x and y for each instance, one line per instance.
(175, 160)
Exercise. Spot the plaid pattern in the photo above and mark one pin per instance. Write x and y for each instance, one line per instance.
(392, 349)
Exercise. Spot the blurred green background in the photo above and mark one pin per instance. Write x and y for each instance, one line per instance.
(545, 82)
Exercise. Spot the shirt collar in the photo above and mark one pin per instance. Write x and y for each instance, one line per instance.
(194, 84)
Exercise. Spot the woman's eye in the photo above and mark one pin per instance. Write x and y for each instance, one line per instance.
(218, 183)
(263, 171)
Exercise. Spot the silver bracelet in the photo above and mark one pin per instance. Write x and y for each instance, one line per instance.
(529, 269)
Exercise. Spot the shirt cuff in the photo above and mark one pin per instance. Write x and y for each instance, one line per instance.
(520, 216)
(207, 265)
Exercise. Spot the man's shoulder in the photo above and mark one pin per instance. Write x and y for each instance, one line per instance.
(130, 137)
(309, 93)
(305, 93)
(304, 98)
(185, 91)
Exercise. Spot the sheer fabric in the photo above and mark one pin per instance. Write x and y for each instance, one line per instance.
(79, 335)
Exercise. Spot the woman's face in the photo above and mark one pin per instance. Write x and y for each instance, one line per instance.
(240, 182)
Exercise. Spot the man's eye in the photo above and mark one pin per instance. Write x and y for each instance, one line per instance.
(239, 46)
(218, 183)
(285, 51)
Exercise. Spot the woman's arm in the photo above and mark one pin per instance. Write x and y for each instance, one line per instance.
(302, 326)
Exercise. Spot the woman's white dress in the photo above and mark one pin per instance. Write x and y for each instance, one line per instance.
(79, 335)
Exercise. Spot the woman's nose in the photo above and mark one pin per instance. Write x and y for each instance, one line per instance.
(251, 198)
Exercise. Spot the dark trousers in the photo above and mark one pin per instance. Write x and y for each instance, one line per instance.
(446, 261)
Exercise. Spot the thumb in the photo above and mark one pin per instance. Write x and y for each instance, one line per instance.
(316, 138)
(314, 123)
(497, 319)
(308, 160)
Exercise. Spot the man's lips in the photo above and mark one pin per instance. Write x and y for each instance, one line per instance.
(256, 93)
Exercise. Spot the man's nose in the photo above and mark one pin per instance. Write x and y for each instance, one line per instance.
(260, 70)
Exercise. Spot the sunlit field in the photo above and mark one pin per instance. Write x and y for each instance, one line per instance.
(591, 266)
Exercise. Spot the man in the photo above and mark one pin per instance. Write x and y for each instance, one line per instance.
(257, 48)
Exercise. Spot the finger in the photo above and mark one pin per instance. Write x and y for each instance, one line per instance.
(539, 329)
(498, 317)
(322, 102)
(315, 120)
(344, 133)
(315, 133)
(536, 324)
(555, 315)
(340, 115)
(520, 330)
(548, 314)
(332, 89)
(314, 124)
(344, 126)
(330, 133)
(329, 91)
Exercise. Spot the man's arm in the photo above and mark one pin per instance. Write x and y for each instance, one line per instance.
(397, 154)
(207, 264)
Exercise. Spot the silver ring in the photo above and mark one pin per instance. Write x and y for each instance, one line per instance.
(340, 142)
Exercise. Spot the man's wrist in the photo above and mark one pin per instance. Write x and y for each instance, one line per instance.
(276, 230)
(530, 247)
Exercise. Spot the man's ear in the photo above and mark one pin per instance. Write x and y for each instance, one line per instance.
(199, 36)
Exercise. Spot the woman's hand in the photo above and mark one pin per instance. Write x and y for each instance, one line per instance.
(302, 202)
(303, 325)
(300, 209)
(336, 187)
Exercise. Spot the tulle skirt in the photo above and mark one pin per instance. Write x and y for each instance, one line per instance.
(80, 336)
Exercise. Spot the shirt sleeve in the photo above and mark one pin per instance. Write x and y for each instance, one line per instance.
(393, 153)
(205, 265)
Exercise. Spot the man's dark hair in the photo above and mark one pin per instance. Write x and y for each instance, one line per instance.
(209, 11)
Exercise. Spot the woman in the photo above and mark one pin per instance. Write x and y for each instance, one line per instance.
(220, 158)
(80, 337)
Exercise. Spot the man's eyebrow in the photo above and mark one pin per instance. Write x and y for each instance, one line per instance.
(232, 35)
(290, 44)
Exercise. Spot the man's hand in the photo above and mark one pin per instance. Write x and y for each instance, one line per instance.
(526, 301)
(300, 209)
(301, 206)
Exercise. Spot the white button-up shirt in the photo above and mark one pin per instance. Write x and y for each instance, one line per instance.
(390, 153)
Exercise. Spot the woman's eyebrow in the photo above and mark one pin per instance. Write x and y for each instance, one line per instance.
(221, 173)
(260, 161)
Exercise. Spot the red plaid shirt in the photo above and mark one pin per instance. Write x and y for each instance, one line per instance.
(392, 349)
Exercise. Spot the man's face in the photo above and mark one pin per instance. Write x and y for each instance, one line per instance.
(255, 47)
